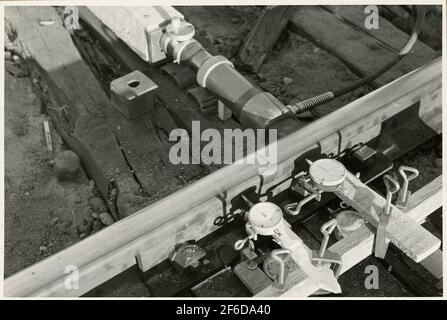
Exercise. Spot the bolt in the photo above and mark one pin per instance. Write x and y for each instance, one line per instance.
(175, 22)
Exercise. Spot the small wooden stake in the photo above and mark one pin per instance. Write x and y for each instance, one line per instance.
(46, 127)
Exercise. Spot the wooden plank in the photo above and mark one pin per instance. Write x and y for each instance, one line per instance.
(254, 279)
(420, 206)
(424, 199)
(298, 285)
(134, 154)
(131, 234)
(263, 36)
(433, 263)
(79, 107)
(388, 34)
(404, 232)
(363, 51)
(145, 141)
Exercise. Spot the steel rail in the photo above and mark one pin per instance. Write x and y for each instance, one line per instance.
(113, 250)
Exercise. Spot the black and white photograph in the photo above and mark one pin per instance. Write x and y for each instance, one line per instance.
(222, 150)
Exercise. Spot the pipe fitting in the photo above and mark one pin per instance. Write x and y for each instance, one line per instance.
(208, 66)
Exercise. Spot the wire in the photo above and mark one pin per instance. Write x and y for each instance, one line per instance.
(308, 104)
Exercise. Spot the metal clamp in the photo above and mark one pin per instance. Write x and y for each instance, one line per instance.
(295, 207)
(280, 277)
(404, 194)
(180, 30)
(381, 246)
(186, 254)
(240, 244)
(324, 256)
(304, 188)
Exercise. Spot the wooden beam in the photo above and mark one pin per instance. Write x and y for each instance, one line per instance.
(433, 263)
(263, 36)
(354, 252)
(340, 30)
(107, 252)
(423, 200)
(78, 106)
(420, 205)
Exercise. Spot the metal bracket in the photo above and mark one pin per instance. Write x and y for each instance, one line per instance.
(404, 194)
(381, 246)
(280, 278)
(324, 256)
(304, 187)
(186, 254)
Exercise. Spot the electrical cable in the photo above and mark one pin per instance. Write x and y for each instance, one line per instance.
(310, 103)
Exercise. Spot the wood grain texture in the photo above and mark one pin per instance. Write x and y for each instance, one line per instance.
(403, 231)
(433, 263)
(254, 279)
(263, 36)
(422, 201)
(340, 30)
(79, 108)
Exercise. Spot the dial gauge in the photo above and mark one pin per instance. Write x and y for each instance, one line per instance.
(327, 173)
(265, 215)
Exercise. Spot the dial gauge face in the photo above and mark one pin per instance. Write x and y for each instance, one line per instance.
(265, 215)
(327, 172)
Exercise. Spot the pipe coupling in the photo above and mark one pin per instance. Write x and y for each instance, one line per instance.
(208, 66)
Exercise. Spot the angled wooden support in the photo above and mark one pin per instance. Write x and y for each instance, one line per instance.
(263, 36)
(421, 204)
(424, 200)
(360, 244)
(404, 232)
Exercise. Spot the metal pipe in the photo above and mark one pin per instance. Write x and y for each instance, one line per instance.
(251, 106)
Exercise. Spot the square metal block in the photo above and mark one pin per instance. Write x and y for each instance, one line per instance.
(133, 94)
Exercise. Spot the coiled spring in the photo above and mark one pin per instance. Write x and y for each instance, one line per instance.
(313, 102)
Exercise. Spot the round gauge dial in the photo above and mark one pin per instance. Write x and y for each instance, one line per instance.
(265, 215)
(327, 173)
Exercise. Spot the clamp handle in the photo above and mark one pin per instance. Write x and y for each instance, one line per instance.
(326, 229)
(282, 274)
(381, 246)
(414, 173)
(295, 207)
(240, 244)
(404, 194)
(392, 186)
